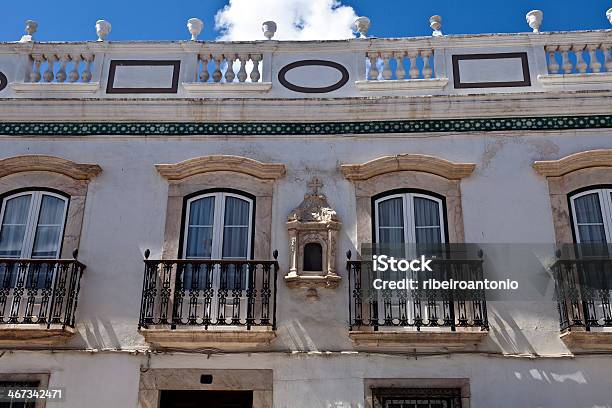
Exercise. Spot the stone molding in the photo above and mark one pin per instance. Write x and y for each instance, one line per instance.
(196, 338)
(573, 162)
(415, 162)
(408, 171)
(261, 189)
(155, 380)
(20, 335)
(410, 340)
(568, 174)
(42, 378)
(373, 383)
(35, 172)
(206, 164)
(587, 340)
(76, 171)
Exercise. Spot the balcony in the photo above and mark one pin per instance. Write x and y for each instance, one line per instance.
(584, 296)
(208, 304)
(417, 319)
(38, 300)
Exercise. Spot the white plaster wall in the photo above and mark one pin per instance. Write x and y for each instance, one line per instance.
(333, 381)
(504, 201)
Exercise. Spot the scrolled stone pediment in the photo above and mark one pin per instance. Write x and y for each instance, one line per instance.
(20, 164)
(206, 164)
(573, 162)
(415, 162)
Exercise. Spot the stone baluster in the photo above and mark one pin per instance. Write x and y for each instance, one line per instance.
(204, 76)
(386, 72)
(73, 75)
(400, 71)
(605, 48)
(566, 64)
(594, 63)
(373, 74)
(553, 66)
(581, 66)
(413, 72)
(242, 74)
(217, 74)
(37, 60)
(49, 74)
(61, 73)
(427, 71)
(86, 74)
(255, 75)
(229, 72)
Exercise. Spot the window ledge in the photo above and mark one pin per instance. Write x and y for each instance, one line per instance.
(224, 86)
(398, 340)
(330, 281)
(29, 87)
(20, 335)
(401, 84)
(191, 338)
(587, 340)
(575, 79)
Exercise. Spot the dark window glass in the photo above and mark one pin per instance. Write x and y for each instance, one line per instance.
(313, 257)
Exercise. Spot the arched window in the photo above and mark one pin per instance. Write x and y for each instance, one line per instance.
(409, 218)
(218, 226)
(592, 216)
(32, 225)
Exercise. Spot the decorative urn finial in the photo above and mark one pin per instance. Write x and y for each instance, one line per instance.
(103, 28)
(269, 29)
(534, 19)
(435, 22)
(362, 25)
(195, 26)
(30, 28)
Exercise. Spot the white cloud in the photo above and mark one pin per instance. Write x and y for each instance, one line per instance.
(241, 20)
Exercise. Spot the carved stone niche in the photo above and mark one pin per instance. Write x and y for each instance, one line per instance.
(313, 236)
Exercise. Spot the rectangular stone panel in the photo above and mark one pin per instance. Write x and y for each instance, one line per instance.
(491, 70)
(142, 76)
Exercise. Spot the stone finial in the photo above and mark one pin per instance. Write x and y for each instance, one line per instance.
(30, 28)
(435, 22)
(269, 29)
(103, 28)
(195, 26)
(609, 15)
(534, 19)
(362, 25)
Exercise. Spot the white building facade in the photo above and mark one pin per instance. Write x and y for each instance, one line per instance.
(212, 208)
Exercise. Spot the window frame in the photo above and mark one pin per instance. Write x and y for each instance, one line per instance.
(217, 221)
(604, 193)
(414, 193)
(34, 216)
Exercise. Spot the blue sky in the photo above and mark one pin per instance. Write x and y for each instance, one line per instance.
(71, 20)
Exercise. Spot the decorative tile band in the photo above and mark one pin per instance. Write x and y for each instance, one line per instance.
(321, 128)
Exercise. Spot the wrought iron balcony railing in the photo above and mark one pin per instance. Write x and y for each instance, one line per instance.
(209, 293)
(39, 291)
(584, 292)
(417, 308)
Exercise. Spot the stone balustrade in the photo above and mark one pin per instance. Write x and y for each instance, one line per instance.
(402, 64)
(60, 68)
(229, 67)
(579, 58)
(442, 65)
